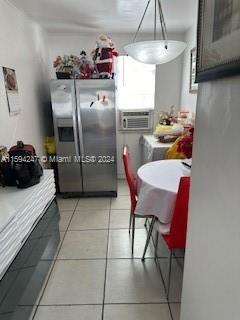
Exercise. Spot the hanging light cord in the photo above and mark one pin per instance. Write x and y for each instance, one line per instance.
(140, 24)
(162, 21)
(155, 20)
(163, 24)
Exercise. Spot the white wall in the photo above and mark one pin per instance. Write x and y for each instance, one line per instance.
(22, 47)
(168, 86)
(212, 263)
(168, 79)
(189, 100)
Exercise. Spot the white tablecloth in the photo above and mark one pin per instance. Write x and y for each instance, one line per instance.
(152, 149)
(158, 183)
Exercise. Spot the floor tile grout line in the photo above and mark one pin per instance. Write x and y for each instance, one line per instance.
(170, 311)
(53, 264)
(66, 305)
(114, 229)
(103, 259)
(160, 271)
(105, 276)
(138, 303)
(165, 289)
(100, 304)
(79, 259)
(82, 230)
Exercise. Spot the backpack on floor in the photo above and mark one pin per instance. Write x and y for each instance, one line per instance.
(25, 165)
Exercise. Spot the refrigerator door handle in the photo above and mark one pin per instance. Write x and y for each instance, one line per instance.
(75, 130)
(79, 122)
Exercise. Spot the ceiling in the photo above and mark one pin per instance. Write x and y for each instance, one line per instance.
(106, 15)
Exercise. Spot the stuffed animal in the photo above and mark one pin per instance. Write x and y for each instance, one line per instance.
(103, 56)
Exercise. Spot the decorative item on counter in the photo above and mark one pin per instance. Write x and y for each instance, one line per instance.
(58, 64)
(76, 64)
(183, 114)
(50, 145)
(168, 133)
(182, 148)
(168, 118)
(73, 67)
(186, 118)
(168, 130)
(3, 153)
(103, 56)
(64, 67)
(3, 156)
(86, 69)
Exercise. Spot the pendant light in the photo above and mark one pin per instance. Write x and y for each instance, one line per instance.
(155, 51)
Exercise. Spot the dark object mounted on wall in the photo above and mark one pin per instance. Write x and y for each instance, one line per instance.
(218, 52)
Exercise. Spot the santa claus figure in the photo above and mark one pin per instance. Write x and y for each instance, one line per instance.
(103, 57)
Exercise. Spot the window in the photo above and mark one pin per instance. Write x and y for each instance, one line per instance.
(135, 84)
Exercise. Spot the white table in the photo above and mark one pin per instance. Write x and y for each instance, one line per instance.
(158, 183)
(152, 149)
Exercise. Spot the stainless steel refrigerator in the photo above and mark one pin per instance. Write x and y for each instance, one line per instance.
(84, 118)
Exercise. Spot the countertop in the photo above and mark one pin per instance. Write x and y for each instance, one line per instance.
(13, 200)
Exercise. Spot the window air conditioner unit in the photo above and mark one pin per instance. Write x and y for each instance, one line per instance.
(136, 120)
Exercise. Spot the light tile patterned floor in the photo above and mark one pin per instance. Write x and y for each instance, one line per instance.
(94, 276)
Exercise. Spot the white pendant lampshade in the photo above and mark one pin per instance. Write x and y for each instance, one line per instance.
(155, 51)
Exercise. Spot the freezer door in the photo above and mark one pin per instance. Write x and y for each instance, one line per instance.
(66, 135)
(97, 134)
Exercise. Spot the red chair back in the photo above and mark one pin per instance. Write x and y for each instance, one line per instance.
(178, 229)
(130, 178)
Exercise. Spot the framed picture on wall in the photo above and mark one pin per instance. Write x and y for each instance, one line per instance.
(193, 63)
(218, 52)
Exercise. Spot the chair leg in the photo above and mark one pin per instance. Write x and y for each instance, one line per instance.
(148, 237)
(169, 274)
(156, 244)
(133, 233)
(145, 224)
(130, 222)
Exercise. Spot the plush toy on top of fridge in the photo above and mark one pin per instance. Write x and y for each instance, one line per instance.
(103, 56)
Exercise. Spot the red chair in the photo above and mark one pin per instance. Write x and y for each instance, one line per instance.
(132, 185)
(176, 237)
